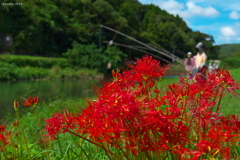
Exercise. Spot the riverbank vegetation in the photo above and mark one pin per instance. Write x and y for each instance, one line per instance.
(16, 67)
(120, 122)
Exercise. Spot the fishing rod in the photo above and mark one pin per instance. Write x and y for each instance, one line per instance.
(171, 56)
(134, 48)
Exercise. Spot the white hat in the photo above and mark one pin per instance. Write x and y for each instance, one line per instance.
(110, 42)
(189, 53)
(199, 45)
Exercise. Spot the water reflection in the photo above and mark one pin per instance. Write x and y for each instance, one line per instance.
(46, 90)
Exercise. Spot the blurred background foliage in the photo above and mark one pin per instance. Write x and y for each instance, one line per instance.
(71, 29)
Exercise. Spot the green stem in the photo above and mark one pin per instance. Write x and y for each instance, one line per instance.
(35, 113)
(24, 137)
(148, 155)
(4, 151)
(60, 147)
(218, 106)
(126, 156)
(106, 150)
(215, 97)
(81, 148)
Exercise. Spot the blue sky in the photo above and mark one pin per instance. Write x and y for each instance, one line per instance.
(218, 18)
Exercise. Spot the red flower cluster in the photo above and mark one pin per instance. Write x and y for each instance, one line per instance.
(31, 102)
(4, 135)
(132, 113)
(59, 122)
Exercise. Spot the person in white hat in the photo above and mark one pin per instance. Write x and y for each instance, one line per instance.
(189, 63)
(200, 60)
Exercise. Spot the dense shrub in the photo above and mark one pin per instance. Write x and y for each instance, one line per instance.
(12, 72)
(6, 71)
(30, 73)
(89, 56)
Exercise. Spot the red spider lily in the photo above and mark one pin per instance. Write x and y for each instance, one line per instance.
(31, 102)
(181, 120)
(4, 135)
(3, 139)
(2, 128)
(59, 122)
(223, 78)
(146, 69)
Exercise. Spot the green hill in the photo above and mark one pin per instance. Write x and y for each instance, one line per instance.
(229, 55)
(228, 50)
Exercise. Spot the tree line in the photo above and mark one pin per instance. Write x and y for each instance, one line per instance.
(56, 28)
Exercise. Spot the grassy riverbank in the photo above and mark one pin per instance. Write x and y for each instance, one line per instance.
(14, 67)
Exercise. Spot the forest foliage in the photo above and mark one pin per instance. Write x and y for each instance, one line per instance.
(56, 28)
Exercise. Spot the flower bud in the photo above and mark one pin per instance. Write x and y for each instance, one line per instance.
(15, 105)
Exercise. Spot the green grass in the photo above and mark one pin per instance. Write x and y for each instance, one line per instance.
(70, 147)
(236, 74)
(230, 104)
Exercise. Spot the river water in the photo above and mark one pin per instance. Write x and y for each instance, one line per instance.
(46, 90)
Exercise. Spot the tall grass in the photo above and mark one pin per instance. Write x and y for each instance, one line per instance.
(67, 147)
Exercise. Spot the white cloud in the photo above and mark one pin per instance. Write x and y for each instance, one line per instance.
(199, 0)
(145, 1)
(187, 10)
(234, 15)
(237, 25)
(233, 5)
(197, 10)
(171, 5)
(185, 14)
(228, 32)
(196, 13)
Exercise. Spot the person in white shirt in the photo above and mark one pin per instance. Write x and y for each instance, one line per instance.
(200, 60)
